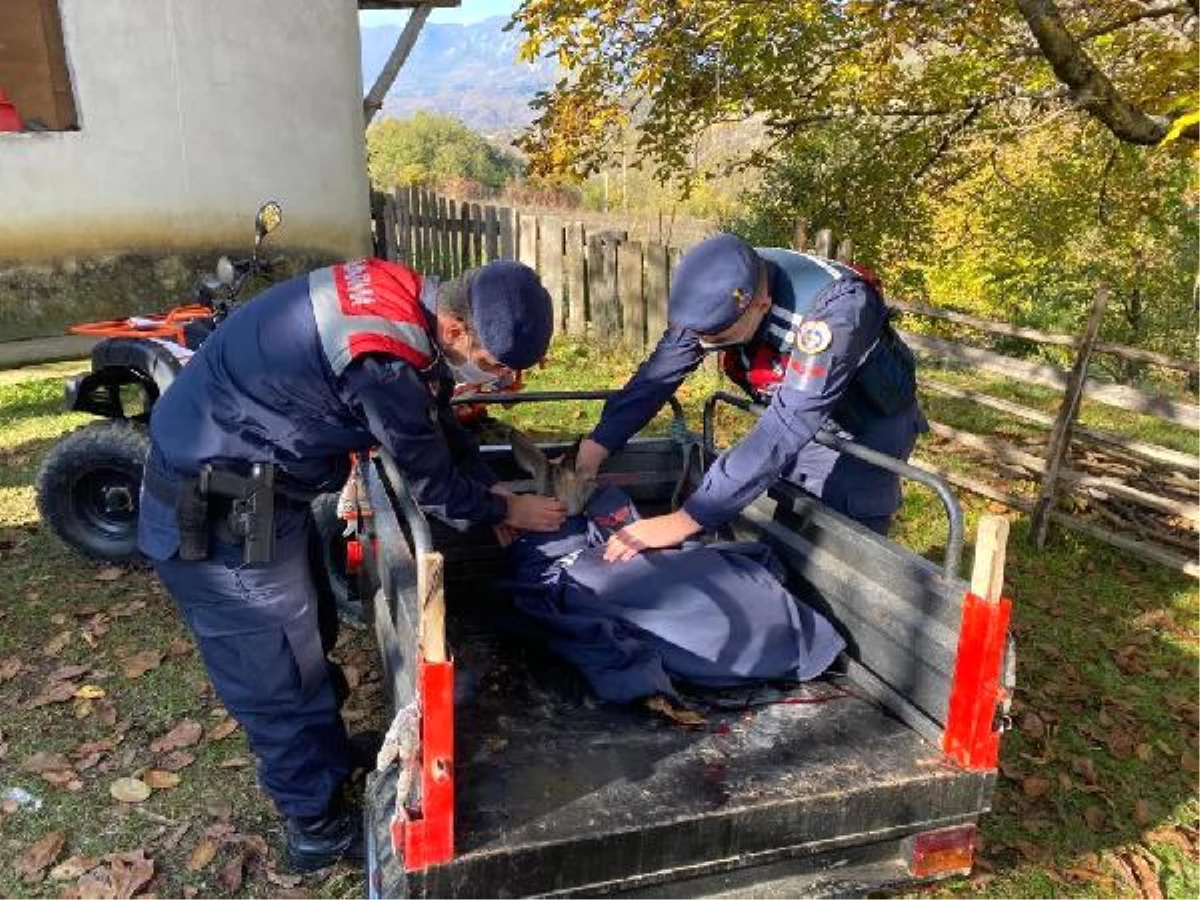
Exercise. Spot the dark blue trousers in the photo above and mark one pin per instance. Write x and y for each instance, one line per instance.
(259, 630)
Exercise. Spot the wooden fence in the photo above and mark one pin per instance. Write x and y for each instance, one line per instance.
(1133, 494)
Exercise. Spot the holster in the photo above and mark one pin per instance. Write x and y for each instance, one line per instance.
(240, 509)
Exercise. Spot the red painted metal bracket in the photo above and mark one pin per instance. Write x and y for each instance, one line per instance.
(972, 738)
(426, 837)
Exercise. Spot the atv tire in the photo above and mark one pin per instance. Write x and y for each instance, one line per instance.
(88, 489)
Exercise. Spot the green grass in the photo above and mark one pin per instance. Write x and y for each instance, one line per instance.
(1106, 704)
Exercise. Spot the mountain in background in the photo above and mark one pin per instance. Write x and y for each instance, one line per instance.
(467, 71)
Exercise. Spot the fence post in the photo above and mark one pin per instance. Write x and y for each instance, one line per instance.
(472, 236)
(1068, 410)
(576, 277)
(800, 236)
(508, 247)
(824, 244)
(400, 199)
(527, 240)
(632, 296)
(550, 259)
(491, 233)
(656, 291)
(443, 238)
(602, 290)
(456, 238)
(845, 250)
(423, 230)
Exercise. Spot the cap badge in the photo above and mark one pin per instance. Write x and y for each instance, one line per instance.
(741, 299)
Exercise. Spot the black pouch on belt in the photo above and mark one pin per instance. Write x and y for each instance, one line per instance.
(191, 514)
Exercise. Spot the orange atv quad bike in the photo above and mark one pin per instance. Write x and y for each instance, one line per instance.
(88, 485)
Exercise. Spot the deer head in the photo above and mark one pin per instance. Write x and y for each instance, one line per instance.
(553, 477)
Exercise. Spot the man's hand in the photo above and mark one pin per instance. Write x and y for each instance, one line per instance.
(505, 534)
(650, 534)
(529, 512)
(590, 457)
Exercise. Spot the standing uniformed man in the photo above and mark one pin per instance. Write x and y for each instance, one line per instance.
(261, 420)
(806, 336)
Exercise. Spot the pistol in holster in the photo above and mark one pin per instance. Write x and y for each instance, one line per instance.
(241, 507)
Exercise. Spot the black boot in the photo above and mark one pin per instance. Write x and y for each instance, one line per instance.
(314, 842)
(364, 747)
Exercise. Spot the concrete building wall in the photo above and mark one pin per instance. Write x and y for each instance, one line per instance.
(190, 113)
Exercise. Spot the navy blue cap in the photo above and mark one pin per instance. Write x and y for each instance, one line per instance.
(713, 284)
(511, 313)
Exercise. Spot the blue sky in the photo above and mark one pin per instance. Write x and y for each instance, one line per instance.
(469, 11)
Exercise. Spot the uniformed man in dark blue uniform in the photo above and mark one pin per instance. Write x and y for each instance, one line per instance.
(265, 415)
(806, 336)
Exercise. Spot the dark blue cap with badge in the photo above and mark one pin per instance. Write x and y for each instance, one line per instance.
(511, 313)
(714, 283)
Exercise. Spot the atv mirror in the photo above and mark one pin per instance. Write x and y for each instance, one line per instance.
(270, 214)
(225, 271)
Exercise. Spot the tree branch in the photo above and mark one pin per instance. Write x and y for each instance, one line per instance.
(1091, 90)
(1133, 18)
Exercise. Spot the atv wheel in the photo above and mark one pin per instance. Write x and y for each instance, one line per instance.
(88, 487)
(329, 558)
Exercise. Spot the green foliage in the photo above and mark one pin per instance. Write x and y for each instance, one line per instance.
(429, 149)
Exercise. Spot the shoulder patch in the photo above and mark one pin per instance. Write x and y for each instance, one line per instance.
(813, 336)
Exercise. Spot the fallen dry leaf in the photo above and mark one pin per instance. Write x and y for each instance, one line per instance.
(55, 692)
(235, 762)
(201, 855)
(1035, 786)
(73, 867)
(230, 875)
(1094, 817)
(9, 667)
(1142, 813)
(67, 673)
(112, 573)
(106, 712)
(280, 879)
(222, 729)
(169, 842)
(1188, 762)
(176, 760)
(676, 714)
(45, 762)
(57, 644)
(121, 610)
(89, 692)
(1146, 874)
(161, 780)
(179, 647)
(182, 735)
(219, 809)
(40, 854)
(129, 790)
(140, 663)
(68, 780)
(129, 872)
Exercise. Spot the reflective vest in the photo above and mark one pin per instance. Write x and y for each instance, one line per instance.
(373, 306)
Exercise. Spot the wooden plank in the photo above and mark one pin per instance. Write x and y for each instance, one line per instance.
(824, 243)
(431, 590)
(527, 240)
(656, 280)
(475, 230)
(550, 268)
(1134, 547)
(800, 236)
(845, 250)
(631, 294)
(1068, 410)
(1037, 465)
(491, 233)
(576, 280)
(602, 291)
(1151, 453)
(390, 248)
(1044, 337)
(455, 238)
(1122, 397)
(443, 238)
(403, 243)
(991, 542)
(508, 248)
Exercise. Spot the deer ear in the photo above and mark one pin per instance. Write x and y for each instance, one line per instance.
(528, 455)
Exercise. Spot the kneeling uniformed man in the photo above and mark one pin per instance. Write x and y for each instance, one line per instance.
(805, 336)
(261, 420)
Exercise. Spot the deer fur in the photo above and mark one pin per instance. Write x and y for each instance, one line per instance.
(553, 477)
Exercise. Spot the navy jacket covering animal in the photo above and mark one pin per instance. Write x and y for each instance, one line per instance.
(710, 615)
(824, 356)
(338, 360)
